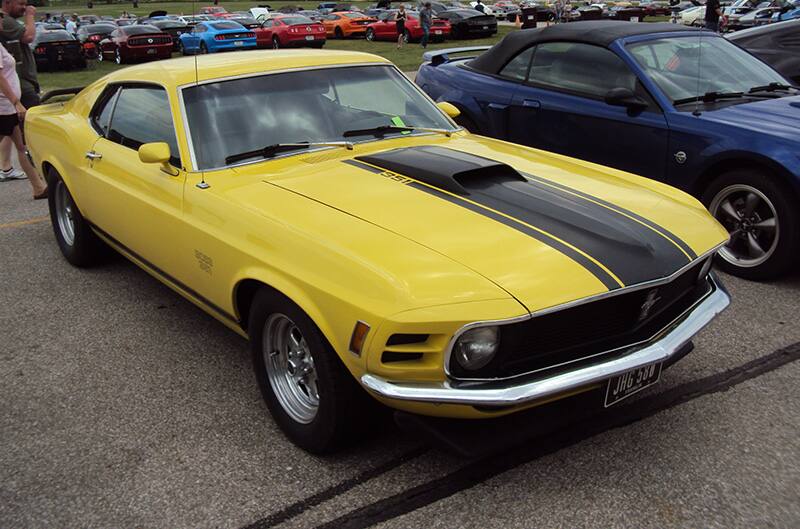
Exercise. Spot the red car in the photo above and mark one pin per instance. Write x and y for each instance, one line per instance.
(290, 31)
(136, 43)
(386, 28)
(214, 11)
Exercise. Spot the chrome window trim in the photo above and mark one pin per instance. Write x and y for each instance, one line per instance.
(185, 119)
(626, 290)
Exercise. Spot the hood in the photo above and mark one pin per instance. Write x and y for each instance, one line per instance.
(542, 241)
(777, 117)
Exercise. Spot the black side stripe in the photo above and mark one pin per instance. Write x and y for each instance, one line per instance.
(607, 279)
(652, 225)
(168, 278)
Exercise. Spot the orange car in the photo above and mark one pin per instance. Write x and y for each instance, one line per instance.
(346, 24)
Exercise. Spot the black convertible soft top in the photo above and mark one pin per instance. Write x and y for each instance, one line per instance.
(598, 32)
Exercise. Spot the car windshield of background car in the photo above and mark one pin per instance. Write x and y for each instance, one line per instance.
(226, 25)
(140, 30)
(672, 63)
(294, 21)
(239, 115)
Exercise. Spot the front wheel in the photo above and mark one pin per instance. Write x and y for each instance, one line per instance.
(338, 33)
(76, 240)
(310, 394)
(203, 48)
(370, 36)
(763, 224)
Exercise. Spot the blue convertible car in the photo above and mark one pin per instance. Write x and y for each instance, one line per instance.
(683, 106)
(213, 36)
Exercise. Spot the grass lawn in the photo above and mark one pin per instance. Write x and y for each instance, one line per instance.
(407, 59)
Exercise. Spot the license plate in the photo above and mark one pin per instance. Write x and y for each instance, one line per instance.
(634, 19)
(309, 37)
(152, 51)
(485, 27)
(623, 386)
(238, 43)
(437, 32)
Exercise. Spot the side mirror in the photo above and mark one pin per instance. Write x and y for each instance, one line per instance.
(624, 97)
(449, 109)
(157, 152)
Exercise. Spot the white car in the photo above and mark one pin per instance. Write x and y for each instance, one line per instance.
(259, 12)
(486, 9)
(694, 16)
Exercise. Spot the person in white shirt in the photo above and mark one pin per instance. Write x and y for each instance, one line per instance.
(12, 112)
(72, 25)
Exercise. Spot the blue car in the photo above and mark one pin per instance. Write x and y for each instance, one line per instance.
(683, 106)
(213, 36)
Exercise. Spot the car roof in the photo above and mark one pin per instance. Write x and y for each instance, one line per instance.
(599, 32)
(181, 71)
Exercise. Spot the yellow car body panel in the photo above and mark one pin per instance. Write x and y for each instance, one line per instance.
(367, 247)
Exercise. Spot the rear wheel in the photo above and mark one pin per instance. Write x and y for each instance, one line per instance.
(179, 47)
(76, 240)
(118, 56)
(310, 394)
(100, 55)
(763, 224)
(370, 36)
(276, 43)
(203, 48)
(338, 33)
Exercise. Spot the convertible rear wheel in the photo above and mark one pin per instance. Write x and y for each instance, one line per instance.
(308, 391)
(763, 226)
(78, 243)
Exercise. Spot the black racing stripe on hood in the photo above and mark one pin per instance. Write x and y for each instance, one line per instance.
(607, 279)
(660, 229)
(633, 252)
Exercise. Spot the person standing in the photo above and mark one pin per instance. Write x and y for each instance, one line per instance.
(12, 112)
(16, 37)
(400, 21)
(479, 6)
(72, 25)
(713, 13)
(425, 20)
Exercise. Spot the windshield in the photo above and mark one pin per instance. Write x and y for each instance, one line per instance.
(240, 115)
(226, 25)
(294, 21)
(99, 28)
(353, 15)
(140, 30)
(672, 63)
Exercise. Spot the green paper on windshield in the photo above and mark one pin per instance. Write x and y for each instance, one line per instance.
(398, 121)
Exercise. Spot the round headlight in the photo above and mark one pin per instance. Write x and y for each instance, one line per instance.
(476, 347)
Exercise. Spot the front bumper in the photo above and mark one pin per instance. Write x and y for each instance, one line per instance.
(671, 342)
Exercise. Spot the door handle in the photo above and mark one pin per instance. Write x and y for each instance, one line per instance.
(91, 155)
(497, 106)
(531, 103)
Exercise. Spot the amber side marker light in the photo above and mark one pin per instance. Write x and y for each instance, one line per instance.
(359, 336)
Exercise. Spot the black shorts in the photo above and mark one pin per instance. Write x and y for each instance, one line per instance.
(8, 123)
(401, 27)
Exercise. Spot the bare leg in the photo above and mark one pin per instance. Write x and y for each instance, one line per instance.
(5, 152)
(37, 182)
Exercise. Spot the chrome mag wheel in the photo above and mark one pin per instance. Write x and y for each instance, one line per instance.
(64, 213)
(752, 222)
(290, 368)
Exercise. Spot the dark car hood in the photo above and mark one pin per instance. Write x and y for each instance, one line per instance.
(777, 117)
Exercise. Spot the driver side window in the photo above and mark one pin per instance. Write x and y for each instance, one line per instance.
(581, 69)
(517, 68)
(142, 115)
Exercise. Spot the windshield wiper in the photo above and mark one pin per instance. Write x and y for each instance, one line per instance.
(708, 97)
(382, 130)
(276, 148)
(772, 87)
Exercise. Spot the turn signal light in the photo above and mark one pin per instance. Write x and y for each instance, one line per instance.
(358, 338)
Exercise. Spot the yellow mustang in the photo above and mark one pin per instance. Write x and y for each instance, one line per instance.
(321, 205)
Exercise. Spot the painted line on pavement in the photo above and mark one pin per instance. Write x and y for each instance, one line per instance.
(18, 223)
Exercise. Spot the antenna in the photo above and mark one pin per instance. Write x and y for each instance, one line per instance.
(699, 56)
(202, 184)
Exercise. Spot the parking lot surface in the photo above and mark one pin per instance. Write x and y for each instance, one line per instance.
(122, 405)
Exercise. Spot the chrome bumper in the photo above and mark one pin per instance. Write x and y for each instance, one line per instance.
(516, 392)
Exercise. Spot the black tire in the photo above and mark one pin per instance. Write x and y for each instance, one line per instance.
(337, 32)
(370, 35)
(203, 48)
(276, 43)
(118, 57)
(783, 244)
(341, 400)
(81, 64)
(85, 249)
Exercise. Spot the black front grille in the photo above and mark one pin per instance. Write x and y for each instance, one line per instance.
(583, 331)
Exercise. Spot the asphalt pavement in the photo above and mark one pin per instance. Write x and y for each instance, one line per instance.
(122, 405)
